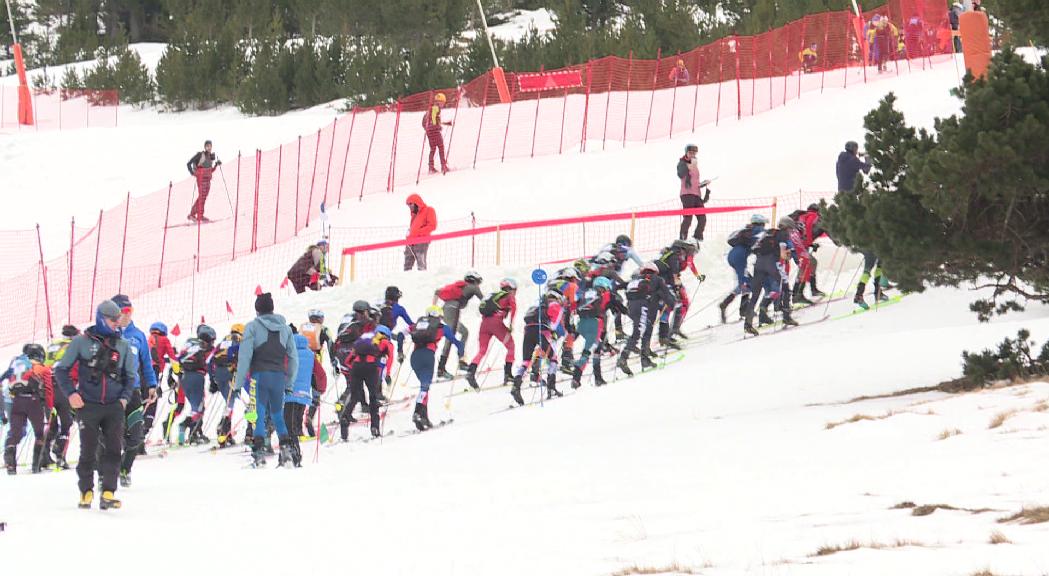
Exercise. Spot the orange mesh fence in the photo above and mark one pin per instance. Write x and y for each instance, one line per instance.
(61, 109)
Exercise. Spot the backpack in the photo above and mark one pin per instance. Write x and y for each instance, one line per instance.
(154, 356)
(426, 331)
(23, 382)
(192, 358)
(56, 350)
(590, 304)
(639, 288)
(490, 306)
(452, 292)
(365, 347)
(741, 237)
(767, 244)
(312, 332)
(224, 351)
(386, 315)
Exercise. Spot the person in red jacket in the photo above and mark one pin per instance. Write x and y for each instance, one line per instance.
(432, 125)
(162, 352)
(809, 225)
(32, 393)
(423, 223)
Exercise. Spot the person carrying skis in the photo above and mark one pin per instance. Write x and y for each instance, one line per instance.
(432, 125)
(196, 362)
(269, 356)
(202, 166)
(742, 243)
(300, 397)
(426, 333)
(58, 436)
(455, 297)
(366, 362)
(161, 352)
(772, 249)
(544, 324)
(645, 295)
(494, 311)
(223, 367)
(145, 392)
(391, 311)
(32, 395)
(106, 376)
(311, 269)
(422, 224)
(691, 192)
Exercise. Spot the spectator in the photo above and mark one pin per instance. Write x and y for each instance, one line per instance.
(423, 223)
(311, 269)
(432, 125)
(849, 165)
(679, 75)
(808, 58)
(202, 166)
(691, 187)
(953, 16)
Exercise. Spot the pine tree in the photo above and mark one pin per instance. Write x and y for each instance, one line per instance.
(1027, 19)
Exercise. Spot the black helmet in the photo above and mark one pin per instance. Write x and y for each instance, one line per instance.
(361, 306)
(624, 240)
(69, 331)
(206, 333)
(851, 147)
(814, 207)
(34, 352)
(393, 293)
(684, 245)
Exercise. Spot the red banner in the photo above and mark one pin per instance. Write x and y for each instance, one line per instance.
(550, 80)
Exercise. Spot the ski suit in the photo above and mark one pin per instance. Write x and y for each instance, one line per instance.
(493, 325)
(366, 363)
(202, 167)
(645, 296)
(452, 310)
(768, 265)
(31, 393)
(538, 333)
(432, 125)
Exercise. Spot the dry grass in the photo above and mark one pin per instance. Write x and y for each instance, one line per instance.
(858, 418)
(947, 433)
(984, 572)
(999, 538)
(1000, 419)
(827, 550)
(674, 568)
(1040, 406)
(927, 509)
(1035, 515)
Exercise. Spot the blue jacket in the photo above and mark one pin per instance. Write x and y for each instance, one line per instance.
(139, 344)
(302, 389)
(399, 312)
(849, 165)
(93, 386)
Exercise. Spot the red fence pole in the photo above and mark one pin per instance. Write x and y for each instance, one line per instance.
(652, 97)
(695, 104)
(629, 74)
(801, 69)
(480, 125)
(298, 174)
(163, 240)
(673, 101)
(739, 92)
(313, 178)
(94, 273)
(255, 207)
(422, 149)
(848, 35)
(236, 210)
(349, 139)
(327, 173)
(535, 121)
(69, 288)
(43, 271)
(823, 49)
(276, 205)
(368, 158)
(721, 80)
(392, 179)
(771, 75)
(196, 261)
(753, 75)
(506, 132)
(564, 106)
(586, 106)
(123, 248)
(451, 137)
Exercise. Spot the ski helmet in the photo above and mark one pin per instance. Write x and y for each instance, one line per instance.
(158, 327)
(440, 97)
(624, 240)
(435, 312)
(603, 283)
(851, 147)
(361, 306)
(34, 352)
(393, 293)
(581, 266)
(650, 268)
(568, 274)
(691, 148)
(322, 242)
(785, 223)
(556, 296)
(695, 245)
(508, 284)
(604, 258)
(380, 329)
(206, 333)
(237, 328)
(472, 276)
(683, 245)
(814, 207)
(315, 315)
(758, 219)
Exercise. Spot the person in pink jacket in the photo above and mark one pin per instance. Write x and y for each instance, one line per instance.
(691, 188)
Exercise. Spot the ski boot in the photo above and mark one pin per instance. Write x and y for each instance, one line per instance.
(284, 459)
(471, 376)
(799, 295)
(431, 170)
(622, 365)
(879, 291)
(551, 387)
(646, 360)
(258, 453)
(125, 479)
(58, 451)
(38, 455)
(763, 317)
(420, 418)
(508, 375)
(744, 301)
(376, 432)
(567, 360)
(443, 373)
(678, 333)
(515, 392)
(86, 499)
(669, 343)
(577, 377)
(108, 501)
(599, 379)
(445, 169)
(463, 365)
(816, 293)
(296, 454)
(748, 327)
(858, 299)
(196, 435)
(788, 321)
(723, 307)
(183, 427)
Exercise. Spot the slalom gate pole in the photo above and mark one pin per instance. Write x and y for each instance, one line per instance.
(386, 408)
(837, 277)
(226, 190)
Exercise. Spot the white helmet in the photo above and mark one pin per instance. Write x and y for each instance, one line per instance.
(508, 284)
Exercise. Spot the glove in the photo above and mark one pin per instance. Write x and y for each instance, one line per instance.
(814, 248)
(400, 357)
(218, 163)
(701, 277)
(214, 388)
(176, 368)
(389, 380)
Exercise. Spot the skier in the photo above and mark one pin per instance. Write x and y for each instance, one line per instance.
(808, 58)
(885, 41)
(672, 261)
(32, 392)
(809, 226)
(57, 440)
(542, 322)
(319, 339)
(622, 250)
(494, 311)
(567, 284)
(679, 75)
(691, 188)
(162, 352)
(422, 224)
(954, 17)
(592, 305)
(432, 125)
(350, 330)
(223, 367)
(914, 38)
(311, 269)
(426, 333)
(202, 166)
(196, 362)
(268, 354)
(106, 373)
(145, 393)
(366, 370)
(742, 243)
(391, 311)
(455, 297)
(300, 397)
(848, 167)
(772, 249)
(646, 295)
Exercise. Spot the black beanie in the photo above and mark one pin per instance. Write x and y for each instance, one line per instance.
(264, 303)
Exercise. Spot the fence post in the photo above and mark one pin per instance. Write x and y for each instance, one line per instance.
(69, 288)
(753, 75)
(535, 121)
(368, 158)
(824, 50)
(721, 80)
(123, 248)
(353, 267)
(255, 206)
(586, 106)
(608, 104)
(422, 148)
(506, 132)
(848, 44)
(673, 100)
(276, 204)
(349, 139)
(633, 226)
(473, 240)
(480, 125)
(94, 273)
(498, 246)
(695, 104)
(451, 137)
(626, 111)
(43, 271)
(775, 204)
(331, 149)
(313, 178)
(564, 106)
(236, 210)
(298, 174)
(391, 181)
(739, 92)
(163, 240)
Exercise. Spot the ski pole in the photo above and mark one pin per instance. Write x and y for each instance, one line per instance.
(838, 277)
(226, 189)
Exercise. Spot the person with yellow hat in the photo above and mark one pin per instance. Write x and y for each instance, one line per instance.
(432, 125)
(224, 367)
(679, 75)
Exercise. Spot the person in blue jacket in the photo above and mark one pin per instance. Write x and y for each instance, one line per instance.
(742, 243)
(106, 377)
(390, 312)
(145, 392)
(849, 165)
(300, 397)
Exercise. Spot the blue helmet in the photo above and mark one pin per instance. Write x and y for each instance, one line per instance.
(159, 327)
(602, 282)
(384, 331)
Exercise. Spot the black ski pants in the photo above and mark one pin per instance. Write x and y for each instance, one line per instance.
(134, 429)
(692, 201)
(100, 423)
(643, 315)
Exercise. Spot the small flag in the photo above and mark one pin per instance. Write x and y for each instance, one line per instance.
(284, 284)
(202, 319)
(229, 309)
(324, 434)
(176, 331)
(314, 278)
(258, 290)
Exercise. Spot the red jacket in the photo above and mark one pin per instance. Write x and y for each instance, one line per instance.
(163, 350)
(809, 221)
(424, 222)
(320, 379)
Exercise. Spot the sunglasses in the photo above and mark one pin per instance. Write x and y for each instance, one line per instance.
(127, 310)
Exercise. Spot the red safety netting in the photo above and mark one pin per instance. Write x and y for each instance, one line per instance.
(61, 109)
(262, 201)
